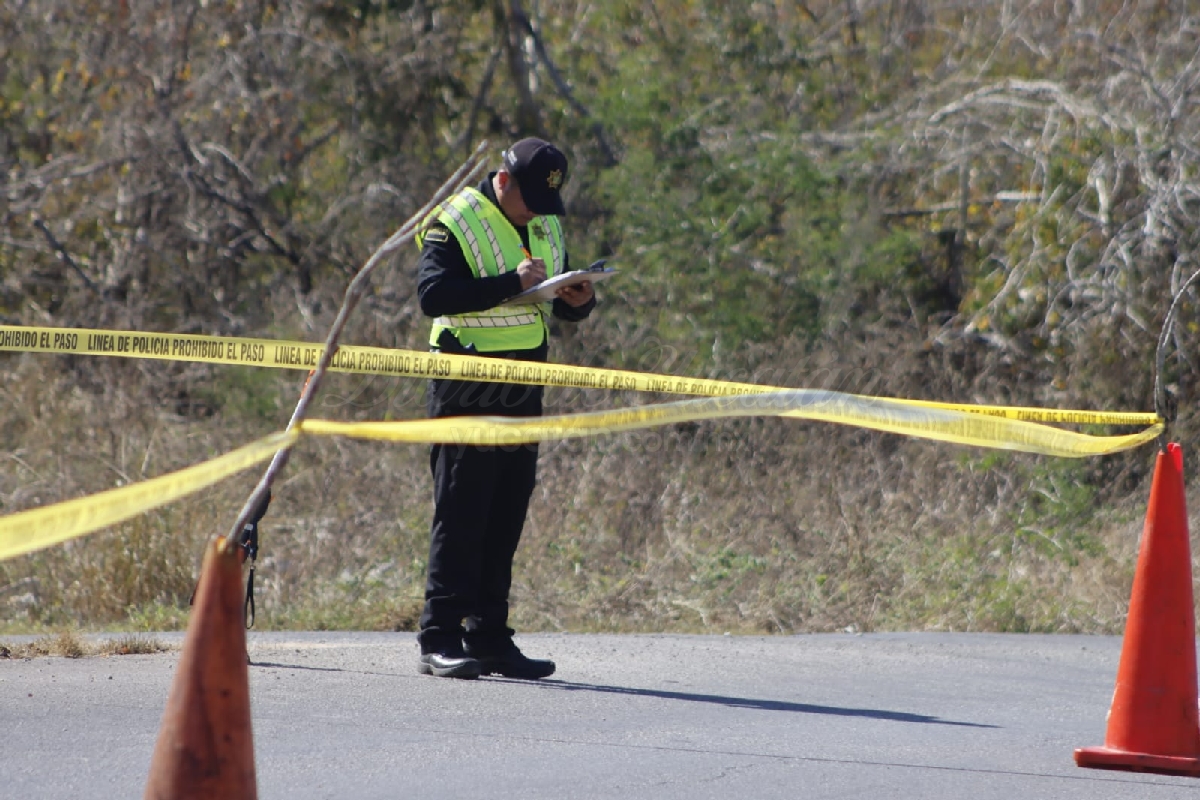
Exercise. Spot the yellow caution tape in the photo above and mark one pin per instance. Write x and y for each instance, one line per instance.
(943, 425)
(418, 364)
(30, 530)
(984, 426)
(36, 528)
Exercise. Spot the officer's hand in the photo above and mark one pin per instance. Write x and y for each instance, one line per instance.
(576, 295)
(532, 272)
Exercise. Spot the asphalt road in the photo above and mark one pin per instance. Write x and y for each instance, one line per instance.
(344, 715)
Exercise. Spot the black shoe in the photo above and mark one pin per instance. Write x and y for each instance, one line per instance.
(512, 663)
(449, 665)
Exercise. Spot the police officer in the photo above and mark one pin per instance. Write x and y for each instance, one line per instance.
(482, 246)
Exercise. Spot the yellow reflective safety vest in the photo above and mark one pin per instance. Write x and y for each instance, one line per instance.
(492, 247)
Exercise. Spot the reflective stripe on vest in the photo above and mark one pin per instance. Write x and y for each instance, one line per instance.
(492, 247)
(488, 321)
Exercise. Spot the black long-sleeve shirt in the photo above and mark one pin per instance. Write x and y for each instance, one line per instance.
(447, 286)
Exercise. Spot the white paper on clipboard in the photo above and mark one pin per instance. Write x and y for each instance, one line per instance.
(544, 291)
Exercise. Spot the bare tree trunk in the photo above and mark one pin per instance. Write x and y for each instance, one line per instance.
(508, 19)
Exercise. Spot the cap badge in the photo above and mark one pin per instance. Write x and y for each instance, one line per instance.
(554, 180)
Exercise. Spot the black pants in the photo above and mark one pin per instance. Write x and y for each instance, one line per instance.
(481, 495)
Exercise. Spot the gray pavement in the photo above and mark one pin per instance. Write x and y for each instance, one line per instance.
(344, 715)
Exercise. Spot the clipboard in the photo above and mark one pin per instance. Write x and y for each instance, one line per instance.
(544, 291)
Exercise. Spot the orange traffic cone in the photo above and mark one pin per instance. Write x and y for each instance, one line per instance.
(205, 748)
(1152, 725)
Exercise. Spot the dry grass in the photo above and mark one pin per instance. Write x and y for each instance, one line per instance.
(71, 645)
(755, 525)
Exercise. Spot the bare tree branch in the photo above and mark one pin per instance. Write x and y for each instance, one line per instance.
(610, 156)
(60, 252)
(465, 174)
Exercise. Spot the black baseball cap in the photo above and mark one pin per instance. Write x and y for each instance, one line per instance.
(540, 170)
